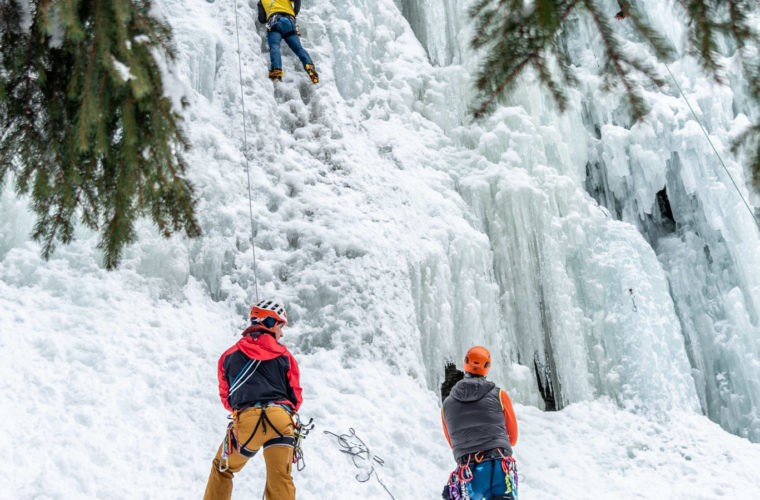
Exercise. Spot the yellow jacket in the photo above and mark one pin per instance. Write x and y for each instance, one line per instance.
(272, 6)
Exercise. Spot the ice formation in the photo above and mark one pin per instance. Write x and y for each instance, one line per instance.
(610, 267)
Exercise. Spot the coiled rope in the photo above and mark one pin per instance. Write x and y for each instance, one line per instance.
(699, 122)
(245, 155)
(352, 445)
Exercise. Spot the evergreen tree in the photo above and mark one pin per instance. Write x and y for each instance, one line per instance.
(519, 34)
(85, 126)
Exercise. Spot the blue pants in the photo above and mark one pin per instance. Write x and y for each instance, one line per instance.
(490, 482)
(285, 28)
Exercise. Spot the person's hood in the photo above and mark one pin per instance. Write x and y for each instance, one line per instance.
(471, 389)
(262, 346)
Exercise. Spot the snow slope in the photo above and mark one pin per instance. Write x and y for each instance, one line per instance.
(398, 233)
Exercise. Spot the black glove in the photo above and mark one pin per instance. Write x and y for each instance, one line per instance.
(451, 376)
(445, 494)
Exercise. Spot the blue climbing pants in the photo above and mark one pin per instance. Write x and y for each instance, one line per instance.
(490, 482)
(285, 28)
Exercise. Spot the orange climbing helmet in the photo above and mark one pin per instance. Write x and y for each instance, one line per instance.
(268, 309)
(477, 360)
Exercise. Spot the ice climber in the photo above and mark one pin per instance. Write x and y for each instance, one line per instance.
(481, 428)
(259, 383)
(624, 10)
(280, 18)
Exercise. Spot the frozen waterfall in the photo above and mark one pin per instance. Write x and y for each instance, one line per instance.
(610, 267)
(568, 276)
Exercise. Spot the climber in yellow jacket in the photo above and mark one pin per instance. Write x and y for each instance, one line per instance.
(280, 18)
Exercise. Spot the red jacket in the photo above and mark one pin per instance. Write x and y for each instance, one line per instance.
(257, 370)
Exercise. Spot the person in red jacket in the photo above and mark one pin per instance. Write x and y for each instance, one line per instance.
(259, 383)
(481, 428)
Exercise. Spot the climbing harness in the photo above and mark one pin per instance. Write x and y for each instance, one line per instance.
(232, 444)
(272, 22)
(352, 445)
(245, 155)
(633, 300)
(699, 122)
(301, 431)
(459, 479)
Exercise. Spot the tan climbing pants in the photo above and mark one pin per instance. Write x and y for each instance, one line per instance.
(278, 457)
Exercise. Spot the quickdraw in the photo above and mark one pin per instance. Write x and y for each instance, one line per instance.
(509, 466)
(227, 447)
(301, 430)
(458, 480)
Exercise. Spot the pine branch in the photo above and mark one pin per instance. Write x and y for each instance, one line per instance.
(702, 35)
(514, 35)
(524, 44)
(92, 145)
(745, 35)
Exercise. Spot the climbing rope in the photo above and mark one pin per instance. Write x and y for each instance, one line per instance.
(245, 155)
(749, 209)
(352, 445)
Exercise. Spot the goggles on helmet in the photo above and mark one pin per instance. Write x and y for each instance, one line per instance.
(268, 322)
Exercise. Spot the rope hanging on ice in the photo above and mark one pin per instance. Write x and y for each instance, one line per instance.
(362, 458)
(699, 122)
(245, 155)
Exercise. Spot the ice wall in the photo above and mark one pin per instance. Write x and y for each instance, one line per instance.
(400, 232)
(566, 299)
(663, 177)
(441, 26)
(660, 176)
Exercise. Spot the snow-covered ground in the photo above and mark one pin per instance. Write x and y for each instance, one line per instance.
(398, 233)
(113, 395)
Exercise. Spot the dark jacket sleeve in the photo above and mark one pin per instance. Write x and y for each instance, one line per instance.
(296, 6)
(262, 13)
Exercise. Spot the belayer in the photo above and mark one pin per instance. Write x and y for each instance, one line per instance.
(480, 425)
(259, 383)
(280, 18)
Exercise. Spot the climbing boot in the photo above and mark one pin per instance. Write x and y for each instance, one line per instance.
(312, 73)
(275, 75)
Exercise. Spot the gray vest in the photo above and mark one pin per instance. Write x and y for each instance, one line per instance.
(474, 417)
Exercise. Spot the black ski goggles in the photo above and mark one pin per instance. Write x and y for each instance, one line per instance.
(268, 322)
